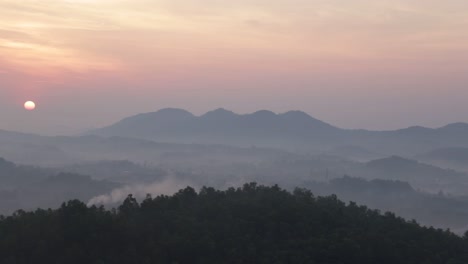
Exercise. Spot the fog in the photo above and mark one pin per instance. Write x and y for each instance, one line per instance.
(140, 191)
(418, 173)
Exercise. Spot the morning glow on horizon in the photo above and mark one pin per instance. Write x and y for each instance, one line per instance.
(234, 131)
(357, 64)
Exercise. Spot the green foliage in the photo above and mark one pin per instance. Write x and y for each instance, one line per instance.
(252, 224)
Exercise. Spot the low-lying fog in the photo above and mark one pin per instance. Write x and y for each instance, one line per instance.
(426, 183)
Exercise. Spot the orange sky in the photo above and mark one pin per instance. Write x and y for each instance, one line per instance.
(393, 62)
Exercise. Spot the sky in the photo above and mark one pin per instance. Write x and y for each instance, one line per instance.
(370, 64)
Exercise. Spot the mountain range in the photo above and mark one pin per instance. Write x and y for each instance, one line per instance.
(294, 130)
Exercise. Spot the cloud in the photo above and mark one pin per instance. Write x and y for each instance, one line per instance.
(136, 35)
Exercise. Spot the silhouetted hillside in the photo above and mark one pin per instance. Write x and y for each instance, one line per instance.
(30, 187)
(399, 197)
(424, 176)
(13, 176)
(253, 224)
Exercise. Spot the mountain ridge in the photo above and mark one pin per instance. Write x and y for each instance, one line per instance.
(222, 111)
(291, 129)
(172, 124)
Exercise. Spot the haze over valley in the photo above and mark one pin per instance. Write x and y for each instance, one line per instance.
(250, 131)
(162, 151)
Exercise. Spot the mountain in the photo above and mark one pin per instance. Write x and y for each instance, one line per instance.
(294, 130)
(134, 138)
(221, 126)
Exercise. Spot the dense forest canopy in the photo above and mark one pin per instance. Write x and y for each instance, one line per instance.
(252, 224)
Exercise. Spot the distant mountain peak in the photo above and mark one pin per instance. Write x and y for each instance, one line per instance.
(223, 126)
(174, 111)
(296, 113)
(222, 110)
(166, 113)
(416, 128)
(263, 114)
(455, 126)
(219, 113)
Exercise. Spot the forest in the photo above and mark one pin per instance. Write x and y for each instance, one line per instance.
(249, 224)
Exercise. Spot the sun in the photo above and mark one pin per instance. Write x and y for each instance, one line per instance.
(29, 105)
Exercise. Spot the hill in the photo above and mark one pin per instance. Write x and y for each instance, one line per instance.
(456, 155)
(452, 157)
(31, 187)
(71, 150)
(253, 224)
(424, 176)
(437, 210)
(292, 131)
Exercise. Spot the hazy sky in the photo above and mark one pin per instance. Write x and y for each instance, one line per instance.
(353, 63)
